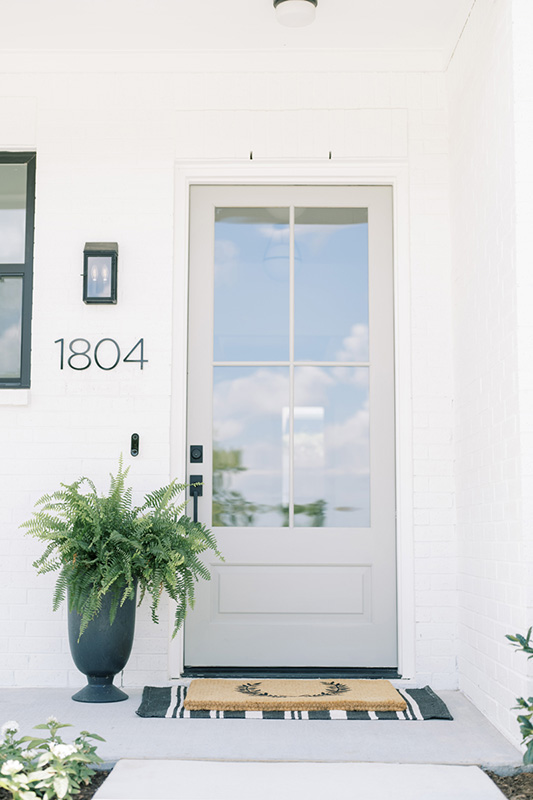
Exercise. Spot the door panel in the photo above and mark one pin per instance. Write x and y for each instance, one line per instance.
(291, 393)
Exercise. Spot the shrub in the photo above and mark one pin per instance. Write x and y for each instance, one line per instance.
(34, 768)
(524, 720)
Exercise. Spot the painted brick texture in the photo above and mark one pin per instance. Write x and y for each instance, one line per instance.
(492, 352)
(523, 136)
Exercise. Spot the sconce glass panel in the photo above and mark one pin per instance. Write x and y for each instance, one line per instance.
(99, 277)
(100, 273)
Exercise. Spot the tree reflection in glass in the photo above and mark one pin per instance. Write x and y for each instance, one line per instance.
(331, 447)
(247, 455)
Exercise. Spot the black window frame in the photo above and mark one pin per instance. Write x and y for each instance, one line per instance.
(24, 270)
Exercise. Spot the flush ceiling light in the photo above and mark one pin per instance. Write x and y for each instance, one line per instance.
(295, 13)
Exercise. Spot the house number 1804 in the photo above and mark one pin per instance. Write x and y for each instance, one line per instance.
(106, 354)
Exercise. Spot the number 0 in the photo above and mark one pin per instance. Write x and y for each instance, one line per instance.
(96, 354)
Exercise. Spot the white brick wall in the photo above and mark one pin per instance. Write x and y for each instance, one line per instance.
(493, 371)
(106, 144)
(523, 114)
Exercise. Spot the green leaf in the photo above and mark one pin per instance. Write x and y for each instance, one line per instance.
(61, 786)
(39, 775)
(528, 755)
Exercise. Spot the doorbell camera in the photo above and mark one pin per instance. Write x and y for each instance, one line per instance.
(134, 444)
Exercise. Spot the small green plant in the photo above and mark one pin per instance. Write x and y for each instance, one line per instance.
(34, 768)
(523, 643)
(103, 543)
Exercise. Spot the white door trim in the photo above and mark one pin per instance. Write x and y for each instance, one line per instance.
(389, 172)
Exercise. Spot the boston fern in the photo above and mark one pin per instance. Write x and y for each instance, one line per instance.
(103, 544)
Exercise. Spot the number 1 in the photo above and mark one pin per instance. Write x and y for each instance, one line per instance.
(62, 341)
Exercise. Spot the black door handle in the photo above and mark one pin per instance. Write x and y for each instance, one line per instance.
(195, 491)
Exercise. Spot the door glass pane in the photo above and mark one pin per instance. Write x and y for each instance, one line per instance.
(331, 284)
(248, 404)
(331, 447)
(12, 213)
(251, 284)
(10, 326)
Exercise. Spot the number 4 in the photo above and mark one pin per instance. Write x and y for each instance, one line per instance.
(142, 360)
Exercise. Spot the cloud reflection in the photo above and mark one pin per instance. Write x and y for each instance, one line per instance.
(10, 352)
(331, 437)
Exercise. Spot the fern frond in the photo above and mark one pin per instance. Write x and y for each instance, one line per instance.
(102, 544)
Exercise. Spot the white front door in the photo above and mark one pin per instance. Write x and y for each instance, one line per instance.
(291, 395)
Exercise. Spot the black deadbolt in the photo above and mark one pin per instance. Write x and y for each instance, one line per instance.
(197, 453)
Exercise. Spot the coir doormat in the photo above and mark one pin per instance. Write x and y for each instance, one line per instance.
(169, 702)
(293, 695)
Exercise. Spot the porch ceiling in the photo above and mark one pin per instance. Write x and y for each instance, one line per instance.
(123, 25)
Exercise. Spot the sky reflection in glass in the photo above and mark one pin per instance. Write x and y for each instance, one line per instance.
(12, 213)
(251, 284)
(10, 326)
(251, 412)
(331, 284)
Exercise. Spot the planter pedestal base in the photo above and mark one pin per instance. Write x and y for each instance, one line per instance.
(100, 689)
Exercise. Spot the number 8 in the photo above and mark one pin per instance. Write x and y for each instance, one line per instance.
(79, 354)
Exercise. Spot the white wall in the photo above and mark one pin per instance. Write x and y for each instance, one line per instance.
(107, 129)
(492, 355)
(523, 137)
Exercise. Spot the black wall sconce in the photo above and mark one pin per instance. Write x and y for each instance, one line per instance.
(100, 265)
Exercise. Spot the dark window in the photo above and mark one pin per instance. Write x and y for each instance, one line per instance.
(17, 206)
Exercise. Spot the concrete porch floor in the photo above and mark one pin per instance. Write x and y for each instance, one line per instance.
(468, 739)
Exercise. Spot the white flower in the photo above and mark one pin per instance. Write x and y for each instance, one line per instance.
(11, 767)
(63, 750)
(10, 727)
(29, 753)
(51, 720)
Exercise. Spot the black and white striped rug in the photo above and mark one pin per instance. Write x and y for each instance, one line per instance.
(167, 702)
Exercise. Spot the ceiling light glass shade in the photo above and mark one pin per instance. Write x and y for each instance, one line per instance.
(295, 13)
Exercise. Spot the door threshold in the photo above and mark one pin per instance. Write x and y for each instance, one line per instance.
(291, 672)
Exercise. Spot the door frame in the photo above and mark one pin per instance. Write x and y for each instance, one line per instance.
(346, 172)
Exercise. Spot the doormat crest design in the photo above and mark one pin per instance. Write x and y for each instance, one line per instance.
(290, 694)
(254, 689)
(168, 701)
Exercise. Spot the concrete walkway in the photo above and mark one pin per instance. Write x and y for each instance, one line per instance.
(468, 739)
(196, 780)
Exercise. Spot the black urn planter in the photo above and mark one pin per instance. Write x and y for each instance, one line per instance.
(103, 650)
